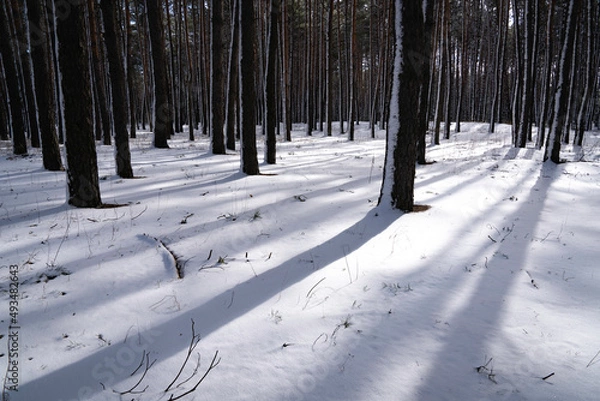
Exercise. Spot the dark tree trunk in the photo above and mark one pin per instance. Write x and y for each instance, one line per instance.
(82, 167)
(403, 128)
(217, 78)
(270, 85)
(329, 69)
(526, 103)
(119, 89)
(103, 124)
(249, 158)
(233, 78)
(12, 82)
(562, 91)
(163, 118)
(17, 13)
(131, 73)
(425, 58)
(43, 70)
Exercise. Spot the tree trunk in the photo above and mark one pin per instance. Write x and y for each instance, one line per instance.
(589, 71)
(270, 85)
(101, 103)
(163, 119)
(233, 77)
(119, 89)
(82, 167)
(329, 69)
(12, 81)
(217, 77)
(249, 160)
(562, 91)
(525, 117)
(425, 83)
(43, 70)
(399, 170)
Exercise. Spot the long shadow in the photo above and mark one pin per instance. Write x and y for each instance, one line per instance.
(478, 322)
(88, 376)
(466, 337)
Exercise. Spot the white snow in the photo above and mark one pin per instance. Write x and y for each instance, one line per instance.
(305, 288)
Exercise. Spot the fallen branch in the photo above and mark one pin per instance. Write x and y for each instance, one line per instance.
(179, 264)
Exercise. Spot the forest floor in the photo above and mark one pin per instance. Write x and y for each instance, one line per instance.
(296, 285)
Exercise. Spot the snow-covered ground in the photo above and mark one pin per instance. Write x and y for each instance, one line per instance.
(298, 284)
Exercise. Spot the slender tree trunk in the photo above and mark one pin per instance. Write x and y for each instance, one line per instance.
(425, 83)
(547, 78)
(352, 78)
(217, 78)
(22, 47)
(103, 125)
(12, 81)
(82, 167)
(270, 85)
(285, 73)
(329, 69)
(131, 73)
(525, 117)
(588, 78)
(233, 77)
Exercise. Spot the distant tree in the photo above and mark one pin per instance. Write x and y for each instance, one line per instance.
(163, 117)
(100, 86)
(270, 84)
(399, 170)
(233, 82)
(17, 116)
(249, 160)
(43, 69)
(217, 76)
(82, 166)
(119, 88)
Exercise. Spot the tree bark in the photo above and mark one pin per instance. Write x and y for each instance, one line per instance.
(82, 167)
(562, 91)
(270, 85)
(43, 70)
(163, 118)
(217, 77)
(249, 160)
(399, 170)
(12, 81)
(119, 89)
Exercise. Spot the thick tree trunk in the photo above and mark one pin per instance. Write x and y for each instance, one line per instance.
(249, 160)
(82, 167)
(163, 118)
(43, 70)
(562, 91)
(399, 170)
(119, 89)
